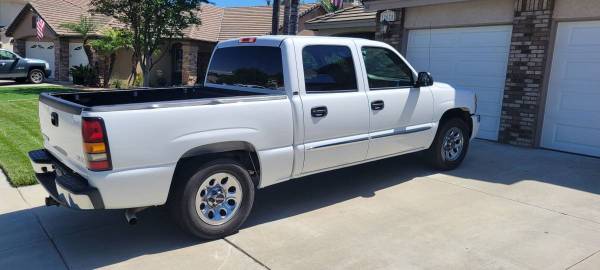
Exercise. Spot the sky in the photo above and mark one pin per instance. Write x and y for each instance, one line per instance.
(240, 3)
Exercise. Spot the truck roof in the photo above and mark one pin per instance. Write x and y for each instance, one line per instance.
(275, 40)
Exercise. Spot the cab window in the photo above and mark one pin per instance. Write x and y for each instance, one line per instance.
(328, 68)
(385, 69)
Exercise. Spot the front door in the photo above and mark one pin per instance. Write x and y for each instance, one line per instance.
(401, 115)
(336, 116)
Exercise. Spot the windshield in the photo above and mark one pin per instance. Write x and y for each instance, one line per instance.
(257, 67)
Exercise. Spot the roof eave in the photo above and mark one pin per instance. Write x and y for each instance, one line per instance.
(341, 25)
(375, 5)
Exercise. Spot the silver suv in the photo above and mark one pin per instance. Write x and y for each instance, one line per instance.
(15, 67)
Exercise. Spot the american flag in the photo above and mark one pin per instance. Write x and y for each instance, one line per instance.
(39, 27)
(338, 3)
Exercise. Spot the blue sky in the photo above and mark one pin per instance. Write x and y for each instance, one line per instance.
(240, 3)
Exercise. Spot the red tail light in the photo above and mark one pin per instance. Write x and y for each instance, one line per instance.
(95, 144)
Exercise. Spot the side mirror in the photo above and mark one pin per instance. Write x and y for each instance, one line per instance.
(425, 79)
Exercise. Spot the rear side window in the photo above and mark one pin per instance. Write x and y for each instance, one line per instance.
(385, 69)
(253, 67)
(328, 68)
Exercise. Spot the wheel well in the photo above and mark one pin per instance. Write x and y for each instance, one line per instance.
(459, 113)
(36, 67)
(241, 152)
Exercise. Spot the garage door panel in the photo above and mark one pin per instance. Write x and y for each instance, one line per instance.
(572, 114)
(469, 58)
(41, 50)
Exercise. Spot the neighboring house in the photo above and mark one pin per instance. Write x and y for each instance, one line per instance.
(8, 11)
(535, 64)
(186, 60)
(351, 21)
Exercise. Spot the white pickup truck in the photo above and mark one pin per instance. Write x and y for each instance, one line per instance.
(271, 109)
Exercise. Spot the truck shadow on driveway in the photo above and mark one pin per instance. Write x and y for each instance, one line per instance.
(88, 240)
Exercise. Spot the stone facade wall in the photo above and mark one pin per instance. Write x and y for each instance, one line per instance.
(526, 70)
(394, 33)
(19, 47)
(189, 68)
(61, 59)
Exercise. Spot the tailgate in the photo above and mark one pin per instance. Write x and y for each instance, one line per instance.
(62, 135)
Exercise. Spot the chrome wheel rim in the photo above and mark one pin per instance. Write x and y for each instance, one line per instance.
(37, 77)
(453, 144)
(218, 198)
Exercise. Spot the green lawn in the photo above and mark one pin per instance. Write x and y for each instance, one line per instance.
(19, 130)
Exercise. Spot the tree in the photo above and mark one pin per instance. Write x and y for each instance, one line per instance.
(107, 46)
(85, 27)
(328, 6)
(153, 24)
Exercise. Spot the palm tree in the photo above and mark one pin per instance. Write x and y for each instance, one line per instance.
(107, 46)
(293, 28)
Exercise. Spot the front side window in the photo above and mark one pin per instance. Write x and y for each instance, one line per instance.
(328, 68)
(385, 69)
(253, 67)
(4, 55)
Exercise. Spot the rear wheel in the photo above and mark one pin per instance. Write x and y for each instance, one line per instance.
(450, 145)
(215, 200)
(35, 76)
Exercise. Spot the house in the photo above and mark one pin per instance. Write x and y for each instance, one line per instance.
(534, 64)
(185, 61)
(8, 11)
(350, 21)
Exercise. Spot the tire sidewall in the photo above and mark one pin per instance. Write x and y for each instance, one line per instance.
(436, 150)
(193, 221)
(32, 72)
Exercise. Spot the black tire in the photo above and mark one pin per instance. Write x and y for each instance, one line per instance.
(182, 203)
(435, 154)
(36, 76)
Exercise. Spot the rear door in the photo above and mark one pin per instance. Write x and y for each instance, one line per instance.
(7, 62)
(335, 109)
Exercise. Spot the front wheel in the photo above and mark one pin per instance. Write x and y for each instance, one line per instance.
(450, 145)
(36, 76)
(215, 201)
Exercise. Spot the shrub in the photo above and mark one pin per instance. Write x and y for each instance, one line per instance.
(83, 75)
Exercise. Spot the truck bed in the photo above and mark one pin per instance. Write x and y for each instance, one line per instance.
(78, 101)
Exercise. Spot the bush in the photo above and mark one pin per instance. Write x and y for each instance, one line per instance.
(83, 75)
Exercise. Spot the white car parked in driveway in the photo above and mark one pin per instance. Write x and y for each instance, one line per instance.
(272, 108)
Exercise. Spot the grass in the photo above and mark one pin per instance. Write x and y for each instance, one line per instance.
(19, 130)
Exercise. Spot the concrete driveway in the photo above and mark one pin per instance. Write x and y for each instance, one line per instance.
(506, 207)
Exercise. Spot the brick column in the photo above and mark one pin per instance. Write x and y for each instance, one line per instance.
(525, 73)
(19, 47)
(394, 33)
(61, 59)
(189, 68)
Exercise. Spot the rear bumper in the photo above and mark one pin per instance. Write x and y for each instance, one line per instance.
(48, 73)
(64, 186)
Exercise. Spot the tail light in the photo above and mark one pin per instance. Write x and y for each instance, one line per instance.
(95, 144)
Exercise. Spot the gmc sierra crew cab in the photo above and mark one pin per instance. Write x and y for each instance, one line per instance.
(271, 109)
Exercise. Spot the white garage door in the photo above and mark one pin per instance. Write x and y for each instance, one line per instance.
(470, 58)
(41, 50)
(77, 56)
(572, 117)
